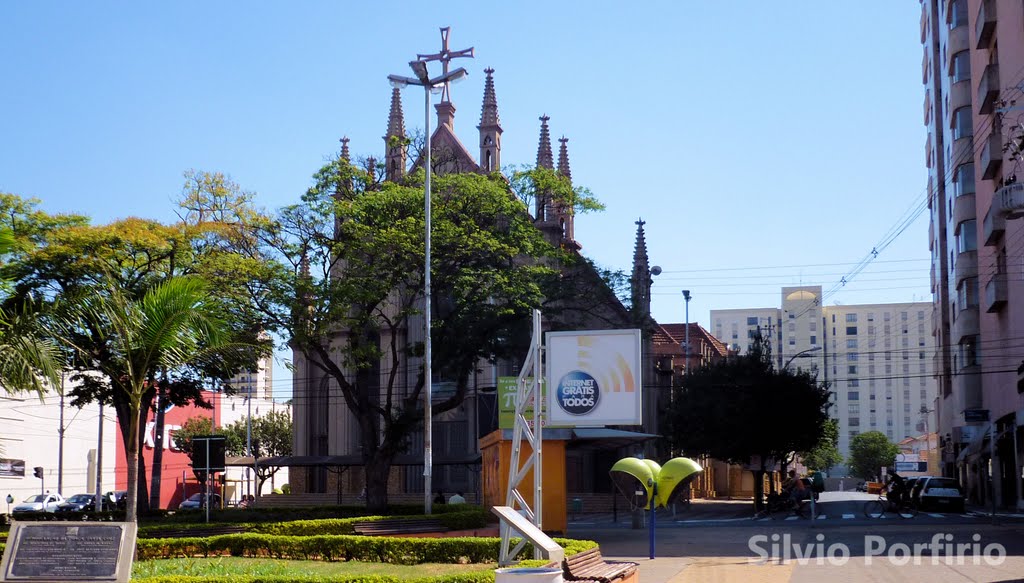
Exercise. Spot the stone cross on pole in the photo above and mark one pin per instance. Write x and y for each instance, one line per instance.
(446, 56)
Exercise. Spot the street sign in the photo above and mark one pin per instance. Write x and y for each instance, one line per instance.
(975, 415)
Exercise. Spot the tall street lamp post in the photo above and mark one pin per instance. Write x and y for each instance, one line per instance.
(687, 296)
(437, 84)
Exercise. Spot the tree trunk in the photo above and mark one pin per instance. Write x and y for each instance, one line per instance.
(142, 492)
(131, 454)
(158, 451)
(377, 469)
(758, 489)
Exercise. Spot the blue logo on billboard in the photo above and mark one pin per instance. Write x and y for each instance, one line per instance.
(577, 393)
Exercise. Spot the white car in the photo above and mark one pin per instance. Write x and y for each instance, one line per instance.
(196, 501)
(39, 503)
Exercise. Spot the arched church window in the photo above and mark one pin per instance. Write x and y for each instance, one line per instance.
(488, 165)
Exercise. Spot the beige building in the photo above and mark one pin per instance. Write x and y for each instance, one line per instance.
(877, 358)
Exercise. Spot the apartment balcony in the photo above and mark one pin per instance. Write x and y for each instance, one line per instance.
(985, 25)
(1008, 202)
(960, 95)
(995, 293)
(994, 225)
(966, 324)
(966, 266)
(924, 66)
(956, 41)
(988, 89)
(927, 106)
(963, 208)
(967, 387)
(924, 23)
(992, 154)
(963, 151)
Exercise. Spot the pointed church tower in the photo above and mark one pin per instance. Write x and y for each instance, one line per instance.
(394, 154)
(564, 212)
(544, 211)
(490, 128)
(640, 282)
(344, 149)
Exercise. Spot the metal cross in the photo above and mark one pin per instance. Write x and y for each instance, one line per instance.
(446, 56)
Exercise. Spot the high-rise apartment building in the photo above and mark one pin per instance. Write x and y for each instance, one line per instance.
(257, 383)
(876, 358)
(973, 72)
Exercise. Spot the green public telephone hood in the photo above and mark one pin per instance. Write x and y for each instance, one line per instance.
(674, 476)
(631, 475)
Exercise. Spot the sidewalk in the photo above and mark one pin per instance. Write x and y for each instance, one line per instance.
(701, 509)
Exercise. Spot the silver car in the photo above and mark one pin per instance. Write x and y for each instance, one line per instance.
(39, 503)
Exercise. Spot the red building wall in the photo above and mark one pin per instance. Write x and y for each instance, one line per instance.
(177, 480)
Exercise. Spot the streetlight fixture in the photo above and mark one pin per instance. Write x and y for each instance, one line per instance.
(687, 296)
(799, 354)
(437, 84)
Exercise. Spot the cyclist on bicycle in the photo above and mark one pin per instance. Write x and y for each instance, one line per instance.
(796, 488)
(895, 488)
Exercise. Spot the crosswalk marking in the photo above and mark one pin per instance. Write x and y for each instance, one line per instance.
(936, 515)
(822, 516)
(848, 516)
(794, 517)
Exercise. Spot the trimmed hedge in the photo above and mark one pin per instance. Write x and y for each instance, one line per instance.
(467, 518)
(406, 551)
(472, 577)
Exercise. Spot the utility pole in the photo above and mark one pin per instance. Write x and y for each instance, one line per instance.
(99, 464)
(60, 442)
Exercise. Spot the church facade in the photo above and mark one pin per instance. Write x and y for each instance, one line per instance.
(325, 429)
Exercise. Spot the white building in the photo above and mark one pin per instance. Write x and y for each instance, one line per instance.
(259, 382)
(30, 437)
(877, 358)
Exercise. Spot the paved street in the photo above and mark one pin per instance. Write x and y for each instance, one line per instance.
(718, 541)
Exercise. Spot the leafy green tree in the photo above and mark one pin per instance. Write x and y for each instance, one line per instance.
(168, 329)
(192, 427)
(826, 454)
(742, 410)
(869, 453)
(64, 256)
(341, 275)
(271, 437)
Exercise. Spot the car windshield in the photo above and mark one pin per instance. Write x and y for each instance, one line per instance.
(937, 483)
(80, 498)
(36, 498)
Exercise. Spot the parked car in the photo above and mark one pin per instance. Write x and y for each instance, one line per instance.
(197, 501)
(78, 503)
(916, 487)
(39, 503)
(942, 494)
(862, 487)
(115, 500)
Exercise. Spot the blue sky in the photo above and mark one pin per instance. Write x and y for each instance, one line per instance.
(745, 134)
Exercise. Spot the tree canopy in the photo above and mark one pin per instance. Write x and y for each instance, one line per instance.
(349, 258)
(742, 409)
(825, 455)
(869, 453)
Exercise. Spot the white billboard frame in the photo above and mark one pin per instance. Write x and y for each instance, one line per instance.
(605, 366)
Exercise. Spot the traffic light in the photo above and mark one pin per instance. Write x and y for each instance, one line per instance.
(38, 472)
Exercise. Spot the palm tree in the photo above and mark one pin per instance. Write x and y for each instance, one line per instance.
(29, 359)
(167, 329)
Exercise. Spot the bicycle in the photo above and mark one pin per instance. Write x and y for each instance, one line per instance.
(877, 508)
(780, 506)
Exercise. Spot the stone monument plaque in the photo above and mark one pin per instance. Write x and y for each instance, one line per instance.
(69, 552)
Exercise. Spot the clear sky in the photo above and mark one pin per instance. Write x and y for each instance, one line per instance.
(747, 135)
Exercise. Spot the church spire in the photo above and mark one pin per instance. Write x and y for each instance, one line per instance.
(344, 149)
(640, 292)
(563, 158)
(490, 128)
(544, 158)
(394, 147)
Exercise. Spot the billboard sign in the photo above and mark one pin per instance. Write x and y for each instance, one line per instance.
(12, 468)
(507, 403)
(594, 378)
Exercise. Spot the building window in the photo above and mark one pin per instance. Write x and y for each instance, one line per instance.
(854, 408)
(792, 326)
(871, 316)
(852, 356)
(851, 317)
(853, 383)
(813, 326)
(961, 66)
(853, 396)
(854, 422)
(752, 321)
(967, 236)
(851, 369)
(814, 340)
(957, 14)
(851, 330)
(967, 293)
(962, 126)
(851, 343)
(920, 315)
(969, 351)
(963, 181)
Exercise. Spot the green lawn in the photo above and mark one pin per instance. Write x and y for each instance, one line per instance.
(264, 567)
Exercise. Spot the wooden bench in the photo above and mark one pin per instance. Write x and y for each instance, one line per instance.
(196, 532)
(393, 526)
(591, 566)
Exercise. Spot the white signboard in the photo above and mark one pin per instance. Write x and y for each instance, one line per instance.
(594, 378)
